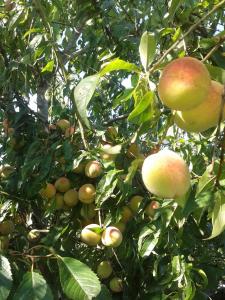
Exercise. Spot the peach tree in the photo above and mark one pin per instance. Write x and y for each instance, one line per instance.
(112, 178)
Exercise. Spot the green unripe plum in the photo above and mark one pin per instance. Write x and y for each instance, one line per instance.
(62, 184)
(71, 198)
(104, 269)
(205, 115)
(6, 227)
(184, 84)
(120, 225)
(116, 285)
(135, 202)
(48, 192)
(165, 174)
(90, 235)
(126, 214)
(59, 201)
(112, 237)
(93, 169)
(86, 193)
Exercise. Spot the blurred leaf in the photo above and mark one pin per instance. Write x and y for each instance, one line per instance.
(116, 65)
(83, 93)
(104, 294)
(48, 67)
(5, 278)
(216, 73)
(78, 281)
(173, 7)
(147, 49)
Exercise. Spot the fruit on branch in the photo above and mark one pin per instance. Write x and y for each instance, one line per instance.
(88, 211)
(86, 193)
(151, 208)
(71, 198)
(112, 237)
(91, 234)
(69, 131)
(48, 192)
(104, 269)
(63, 124)
(62, 184)
(6, 227)
(6, 171)
(93, 169)
(205, 115)
(33, 235)
(135, 203)
(105, 154)
(126, 214)
(120, 225)
(133, 151)
(59, 201)
(4, 243)
(184, 83)
(116, 285)
(80, 168)
(165, 174)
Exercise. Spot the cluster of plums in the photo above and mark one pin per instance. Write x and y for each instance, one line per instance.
(186, 88)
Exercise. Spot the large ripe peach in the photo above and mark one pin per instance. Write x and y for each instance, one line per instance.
(62, 184)
(135, 203)
(6, 227)
(165, 174)
(48, 192)
(126, 214)
(88, 211)
(86, 193)
(112, 237)
(90, 234)
(63, 124)
(184, 83)
(104, 269)
(116, 285)
(205, 115)
(71, 198)
(93, 169)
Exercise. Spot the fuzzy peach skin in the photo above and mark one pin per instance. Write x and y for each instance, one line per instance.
(165, 174)
(89, 236)
(93, 169)
(48, 192)
(71, 198)
(112, 237)
(62, 184)
(184, 83)
(205, 115)
(86, 193)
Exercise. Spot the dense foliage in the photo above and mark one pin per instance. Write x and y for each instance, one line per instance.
(97, 65)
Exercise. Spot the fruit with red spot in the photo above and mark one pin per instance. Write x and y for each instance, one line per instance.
(48, 191)
(151, 208)
(62, 184)
(93, 169)
(112, 237)
(71, 198)
(86, 193)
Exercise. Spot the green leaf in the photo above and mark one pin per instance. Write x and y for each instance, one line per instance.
(118, 64)
(5, 278)
(147, 49)
(216, 73)
(35, 42)
(104, 294)
(113, 150)
(174, 5)
(143, 109)
(83, 93)
(218, 215)
(49, 67)
(78, 281)
(33, 286)
(147, 241)
(106, 187)
(132, 170)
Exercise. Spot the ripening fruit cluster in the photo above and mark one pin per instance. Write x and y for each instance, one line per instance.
(185, 87)
(6, 228)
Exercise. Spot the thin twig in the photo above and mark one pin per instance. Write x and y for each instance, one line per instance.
(186, 34)
(82, 135)
(116, 119)
(220, 42)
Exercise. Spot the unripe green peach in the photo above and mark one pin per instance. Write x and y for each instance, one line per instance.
(88, 211)
(126, 214)
(104, 269)
(90, 234)
(6, 227)
(59, 201)
(62, 184)
(80, 168)
(48, 192)
(93, 169)
(71, 198)
(120, 225)
(206, 114)
(4, 243)
(86, 193)
(116, 285)
(135, 203)
(105, 154)
(63, 124)
(165, 174)
(112, 237)
(184, 84)
(151, 208)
